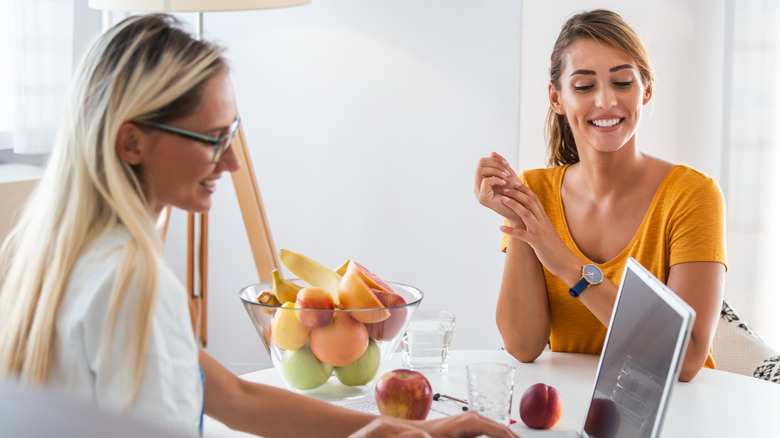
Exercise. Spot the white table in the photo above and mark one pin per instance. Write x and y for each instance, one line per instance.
(714, 404)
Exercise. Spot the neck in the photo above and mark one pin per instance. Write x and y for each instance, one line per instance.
(605, 174)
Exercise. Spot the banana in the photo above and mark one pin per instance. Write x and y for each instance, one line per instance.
(268, 297)
(284, 290)
(312, 272)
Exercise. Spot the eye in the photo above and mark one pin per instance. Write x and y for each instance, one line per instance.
(582, 88)
(624, 84)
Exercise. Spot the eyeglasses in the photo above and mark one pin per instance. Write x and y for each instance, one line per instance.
(221, 144)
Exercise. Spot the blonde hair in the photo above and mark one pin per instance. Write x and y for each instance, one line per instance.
(146, 68)
(605, 27)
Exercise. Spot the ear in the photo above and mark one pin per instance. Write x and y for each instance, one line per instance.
(127, 140)
(648, 94)
(555, 99)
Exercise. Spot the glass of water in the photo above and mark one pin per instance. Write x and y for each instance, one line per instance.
(490, 387)
(425, 346)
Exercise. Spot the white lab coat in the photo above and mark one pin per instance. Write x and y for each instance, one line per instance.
(171, 393)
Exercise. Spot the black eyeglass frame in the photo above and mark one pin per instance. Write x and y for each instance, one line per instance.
(221, 144)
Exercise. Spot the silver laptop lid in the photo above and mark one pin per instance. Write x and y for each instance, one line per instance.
(641, 358)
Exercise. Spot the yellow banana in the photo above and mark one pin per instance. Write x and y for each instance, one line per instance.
(311, 271)
(284, 290)
(268, 297)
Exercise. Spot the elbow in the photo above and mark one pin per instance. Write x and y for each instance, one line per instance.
(687, 377)
(523, 353)
(688, 372)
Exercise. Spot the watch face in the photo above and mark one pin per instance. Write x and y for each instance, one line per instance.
(592, 274)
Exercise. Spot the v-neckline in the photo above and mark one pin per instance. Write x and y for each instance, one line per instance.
(622, 254)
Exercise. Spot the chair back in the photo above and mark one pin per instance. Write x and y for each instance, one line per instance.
(738, 349)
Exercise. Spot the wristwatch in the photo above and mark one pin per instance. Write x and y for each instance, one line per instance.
(591, 275)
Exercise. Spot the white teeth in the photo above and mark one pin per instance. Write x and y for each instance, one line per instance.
(605, 123)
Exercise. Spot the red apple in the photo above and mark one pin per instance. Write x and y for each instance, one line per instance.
(390, 327)
(540, 406)
(317, 305)
(404, 394)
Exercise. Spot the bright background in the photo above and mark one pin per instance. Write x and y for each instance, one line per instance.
(366, 119)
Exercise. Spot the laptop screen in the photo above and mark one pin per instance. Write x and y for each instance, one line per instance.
(643, 351)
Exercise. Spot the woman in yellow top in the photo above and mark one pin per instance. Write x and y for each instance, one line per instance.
(601, 201)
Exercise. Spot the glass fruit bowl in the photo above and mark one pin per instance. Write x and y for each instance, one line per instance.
(331, 354)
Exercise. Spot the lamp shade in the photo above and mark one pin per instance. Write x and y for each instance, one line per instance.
(191, 5)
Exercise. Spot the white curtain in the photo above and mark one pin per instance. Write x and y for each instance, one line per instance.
(753, 183)
(43, 57)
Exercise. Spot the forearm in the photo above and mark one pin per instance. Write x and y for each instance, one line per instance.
(522, 311)
(270, 411)
(701, 285)
(600, 300)
(695, 356)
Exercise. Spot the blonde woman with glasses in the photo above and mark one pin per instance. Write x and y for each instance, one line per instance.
(89, 308)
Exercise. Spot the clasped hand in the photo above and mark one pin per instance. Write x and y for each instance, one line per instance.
(498, 188)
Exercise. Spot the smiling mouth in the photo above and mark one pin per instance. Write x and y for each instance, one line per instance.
(606, 123)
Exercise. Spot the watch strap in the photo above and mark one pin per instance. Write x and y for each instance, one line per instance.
(577, 289)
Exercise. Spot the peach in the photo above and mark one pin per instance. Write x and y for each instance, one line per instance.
(341, 342)
(540, 406)
(316, 306)
(388, 328)
(286, 330)
(603, 418)
(355, 294)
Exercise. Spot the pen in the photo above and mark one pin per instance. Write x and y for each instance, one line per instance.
(439, 396)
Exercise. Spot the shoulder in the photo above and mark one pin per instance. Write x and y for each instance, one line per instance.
(543, 178)
(686, 182)
(96, 267)
(683, 172)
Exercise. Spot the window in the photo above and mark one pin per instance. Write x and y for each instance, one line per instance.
(7, 29)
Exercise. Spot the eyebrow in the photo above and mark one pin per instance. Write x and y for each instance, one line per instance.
(593, 73)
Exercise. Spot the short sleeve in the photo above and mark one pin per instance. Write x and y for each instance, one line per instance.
(698, 223)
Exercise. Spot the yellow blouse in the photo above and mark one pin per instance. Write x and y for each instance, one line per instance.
(685, 222)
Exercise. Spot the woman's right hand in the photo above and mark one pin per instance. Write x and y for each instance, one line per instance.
(493, 175)
(466, 425)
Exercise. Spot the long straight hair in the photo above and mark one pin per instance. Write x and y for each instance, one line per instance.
(146, 68)
(605, 27)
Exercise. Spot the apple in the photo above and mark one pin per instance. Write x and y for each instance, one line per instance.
(362, 370)
(540, 406)
(316, 305)
(404, 394)
(341, 342)
(303, 370)
(603, 418)
(390, 327)
(286, 330)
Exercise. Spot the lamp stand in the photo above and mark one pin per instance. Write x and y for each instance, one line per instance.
(255, 222)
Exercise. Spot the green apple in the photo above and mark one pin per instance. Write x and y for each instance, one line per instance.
(303, 370)
(362, 369)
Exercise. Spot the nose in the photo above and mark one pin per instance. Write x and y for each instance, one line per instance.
(229, 160)
(605, 98)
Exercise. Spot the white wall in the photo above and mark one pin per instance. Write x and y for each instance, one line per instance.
(685, 40)
(366, 120)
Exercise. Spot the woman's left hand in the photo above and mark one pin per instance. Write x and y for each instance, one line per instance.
(539, 232)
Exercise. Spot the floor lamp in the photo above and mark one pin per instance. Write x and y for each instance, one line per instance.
(244, 180)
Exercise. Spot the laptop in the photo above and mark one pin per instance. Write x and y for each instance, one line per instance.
(640, 361)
